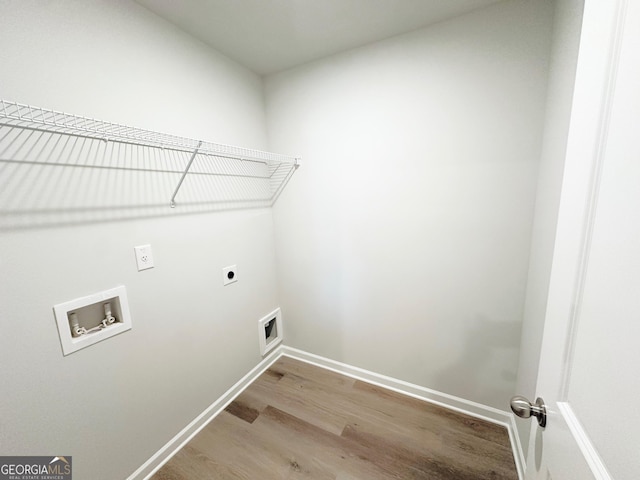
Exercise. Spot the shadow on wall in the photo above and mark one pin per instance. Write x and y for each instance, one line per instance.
(490, 347)
(56, 179)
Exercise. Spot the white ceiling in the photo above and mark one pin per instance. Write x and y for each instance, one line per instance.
(269, 36)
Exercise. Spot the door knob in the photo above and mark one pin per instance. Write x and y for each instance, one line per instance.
(524, 409)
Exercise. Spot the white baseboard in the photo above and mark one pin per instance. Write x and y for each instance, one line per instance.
(163, 455)
(457, 404)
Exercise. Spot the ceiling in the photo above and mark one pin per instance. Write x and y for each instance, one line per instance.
(269, 36)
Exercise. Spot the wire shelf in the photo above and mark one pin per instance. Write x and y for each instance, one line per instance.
(47, 138)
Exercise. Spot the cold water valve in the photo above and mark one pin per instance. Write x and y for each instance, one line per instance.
(108, 317)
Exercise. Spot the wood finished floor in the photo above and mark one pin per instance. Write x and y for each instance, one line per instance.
(298, 421)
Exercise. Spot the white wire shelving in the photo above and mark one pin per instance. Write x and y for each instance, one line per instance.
(32, 135)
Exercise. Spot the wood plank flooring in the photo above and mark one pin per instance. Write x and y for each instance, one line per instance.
(298, 421)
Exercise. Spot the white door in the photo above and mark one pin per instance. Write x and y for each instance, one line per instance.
(590, 363)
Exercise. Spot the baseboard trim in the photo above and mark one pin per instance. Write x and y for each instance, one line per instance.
(163, 455)
(442, 399)
(483, 412)
(467, 407)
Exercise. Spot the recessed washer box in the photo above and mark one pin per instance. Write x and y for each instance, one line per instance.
(88, 320)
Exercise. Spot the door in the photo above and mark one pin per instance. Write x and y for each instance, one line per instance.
(591, 346)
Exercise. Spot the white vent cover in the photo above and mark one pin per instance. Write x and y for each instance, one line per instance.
(270, 331)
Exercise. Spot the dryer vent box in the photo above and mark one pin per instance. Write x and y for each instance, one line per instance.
(270, 331)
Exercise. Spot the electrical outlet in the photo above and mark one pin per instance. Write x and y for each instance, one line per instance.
(144, 257)
(229, 275)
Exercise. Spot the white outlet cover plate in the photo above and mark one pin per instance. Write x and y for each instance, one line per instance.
(144, 257)
(225, 274)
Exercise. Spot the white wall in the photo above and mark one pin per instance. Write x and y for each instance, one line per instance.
(112, 405)
(403, 241)
(562, 69)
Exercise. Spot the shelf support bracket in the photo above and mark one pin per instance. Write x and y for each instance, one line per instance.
(184, 174)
